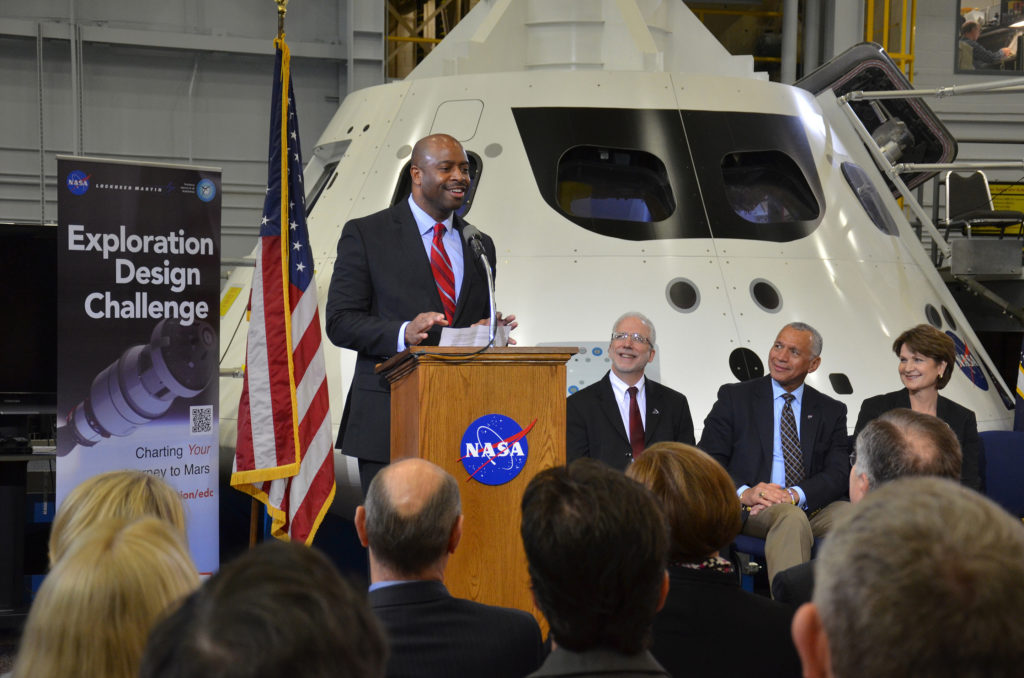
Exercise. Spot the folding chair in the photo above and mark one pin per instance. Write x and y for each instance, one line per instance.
(969, 206)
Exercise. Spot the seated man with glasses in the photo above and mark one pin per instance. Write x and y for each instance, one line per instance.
(615, 419)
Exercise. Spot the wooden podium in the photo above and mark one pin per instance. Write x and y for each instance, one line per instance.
(436, 396)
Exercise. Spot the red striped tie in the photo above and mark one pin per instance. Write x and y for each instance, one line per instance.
(443, 276)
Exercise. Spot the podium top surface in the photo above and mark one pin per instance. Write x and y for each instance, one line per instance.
(398, 365)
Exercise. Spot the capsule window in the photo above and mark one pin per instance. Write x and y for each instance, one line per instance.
(611, 183)
(767, 187)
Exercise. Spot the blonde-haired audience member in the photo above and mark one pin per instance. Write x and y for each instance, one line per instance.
(696, 632)
(114, 494)
(97, 605)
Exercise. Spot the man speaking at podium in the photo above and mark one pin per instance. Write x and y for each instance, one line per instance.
(400, 276)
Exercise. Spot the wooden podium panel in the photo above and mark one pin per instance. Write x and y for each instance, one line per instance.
(435, 396)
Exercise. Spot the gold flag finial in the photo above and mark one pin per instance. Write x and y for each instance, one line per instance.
(282, 9)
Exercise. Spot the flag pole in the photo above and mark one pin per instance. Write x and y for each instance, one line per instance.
(282, 9)
(256, 510)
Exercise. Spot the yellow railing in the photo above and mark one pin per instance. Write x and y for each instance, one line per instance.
(903, 54)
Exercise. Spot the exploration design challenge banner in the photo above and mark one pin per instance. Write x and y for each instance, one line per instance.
(137, 356)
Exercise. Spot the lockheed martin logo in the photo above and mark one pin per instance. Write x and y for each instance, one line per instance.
(494, 449)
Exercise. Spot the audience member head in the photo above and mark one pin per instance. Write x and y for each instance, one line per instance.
(697, 496)
(114, 494)
(98, 603)
(930, 343)
(411, 520)
(795, 353)
(921, 578)
(900, 443)
(281, 609)
(596, 547)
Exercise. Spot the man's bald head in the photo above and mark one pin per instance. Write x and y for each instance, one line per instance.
(900, 443)
(411, 509)
(428, 147)
(439, 171)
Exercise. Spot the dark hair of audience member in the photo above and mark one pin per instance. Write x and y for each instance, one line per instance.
(96, 606)
(697, 496)
(597, 548)
(281, 609)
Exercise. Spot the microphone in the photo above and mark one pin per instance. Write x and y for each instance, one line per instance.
(473, 235)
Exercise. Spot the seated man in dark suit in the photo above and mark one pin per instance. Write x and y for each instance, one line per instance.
(785, 446)
(411, 522)
(597, 549)
(921, 578)
(899, 443)
(616, 418)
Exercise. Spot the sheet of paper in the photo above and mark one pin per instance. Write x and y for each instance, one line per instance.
(473, 336)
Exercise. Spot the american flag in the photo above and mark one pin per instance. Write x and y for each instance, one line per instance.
(284, 455)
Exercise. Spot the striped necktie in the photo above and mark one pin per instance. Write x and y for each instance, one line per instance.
(791, 455)
(443, 275)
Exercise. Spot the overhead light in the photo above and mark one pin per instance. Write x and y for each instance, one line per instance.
(1019, 24)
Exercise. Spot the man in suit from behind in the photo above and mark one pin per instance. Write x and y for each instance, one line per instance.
(596, 547)
(615, 419)
(785, 446)
(401, 275)
(921, 578)
(411, 522)
(898, 443)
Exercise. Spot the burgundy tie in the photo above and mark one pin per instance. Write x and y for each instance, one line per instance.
(636, 424)
(443, 276)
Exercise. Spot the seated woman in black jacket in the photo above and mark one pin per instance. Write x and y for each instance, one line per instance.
(709, 625)
(927, 360)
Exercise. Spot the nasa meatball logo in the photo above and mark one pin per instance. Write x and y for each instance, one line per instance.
(206, 190)
(78, 182)
(494, 449)
(968, 364)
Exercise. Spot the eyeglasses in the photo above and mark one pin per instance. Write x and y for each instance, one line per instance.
(635, 337)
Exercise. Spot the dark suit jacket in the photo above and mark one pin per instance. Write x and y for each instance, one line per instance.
(430, 633)
(795, 585)
(739, 433)
(960, 419)
(593, 426)
(597, 662)
(711, 627)
(382, 278)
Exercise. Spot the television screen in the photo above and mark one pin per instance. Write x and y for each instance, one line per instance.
(28, 342)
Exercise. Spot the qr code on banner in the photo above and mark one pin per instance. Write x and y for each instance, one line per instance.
(200, 419)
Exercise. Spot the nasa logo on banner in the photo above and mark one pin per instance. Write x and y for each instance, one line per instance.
(494, 449)
(967, 363)
(78, 182)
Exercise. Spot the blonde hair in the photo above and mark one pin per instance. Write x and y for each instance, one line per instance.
(114, 494)
(96, 607)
